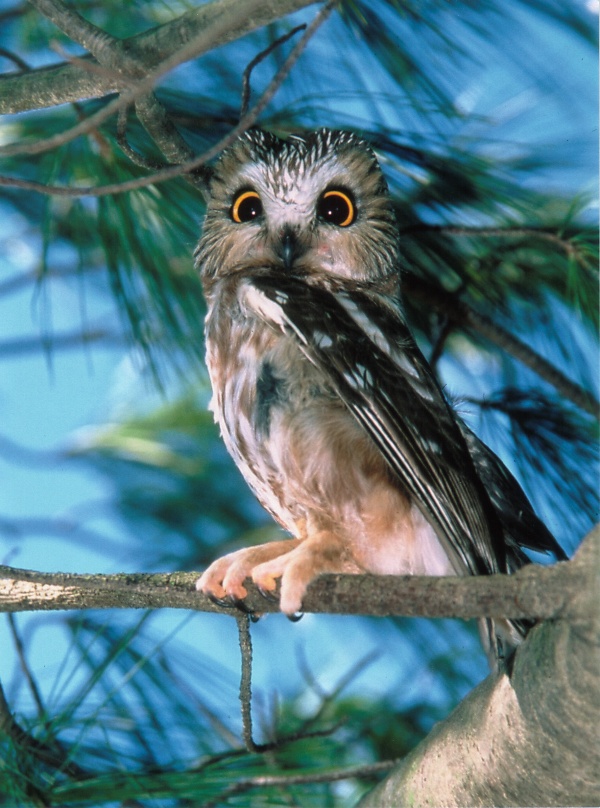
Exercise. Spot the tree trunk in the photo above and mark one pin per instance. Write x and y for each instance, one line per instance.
(527, 736)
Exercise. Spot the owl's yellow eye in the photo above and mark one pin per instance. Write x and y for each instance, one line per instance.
(246, 207)
(337, 207)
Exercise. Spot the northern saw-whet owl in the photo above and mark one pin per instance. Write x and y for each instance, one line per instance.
(323, 398)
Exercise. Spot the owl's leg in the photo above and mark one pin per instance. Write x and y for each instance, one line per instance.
(225, 576)
(321, 552)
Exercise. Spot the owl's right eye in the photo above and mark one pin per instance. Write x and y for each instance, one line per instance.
(246, 207)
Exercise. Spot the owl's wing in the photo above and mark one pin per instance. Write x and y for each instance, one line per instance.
(521, 526)
(366, 352)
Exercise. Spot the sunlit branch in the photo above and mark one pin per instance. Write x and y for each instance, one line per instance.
(535, 592)
(76, 27)
(59, 84)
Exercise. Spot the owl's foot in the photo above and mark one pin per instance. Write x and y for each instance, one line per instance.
(319, 553)
(224, 579)
(295, 561)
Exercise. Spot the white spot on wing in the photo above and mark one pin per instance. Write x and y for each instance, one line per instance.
(258, 302)
(373, 331)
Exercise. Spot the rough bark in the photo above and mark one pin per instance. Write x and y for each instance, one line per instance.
(528, 736)
(537, 592)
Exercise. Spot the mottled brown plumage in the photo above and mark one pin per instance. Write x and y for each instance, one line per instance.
(323, 399)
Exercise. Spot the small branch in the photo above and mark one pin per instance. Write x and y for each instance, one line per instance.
(198, 44)
(502, 232)
(48, 753)
(257, 60)
(20, 649)
(307, 778)
(129, 151)
(245, 642)
(157, 122)
(459, 312)
(20, 63)
(534, 592)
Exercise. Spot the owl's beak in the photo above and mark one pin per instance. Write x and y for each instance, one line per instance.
(290, 248)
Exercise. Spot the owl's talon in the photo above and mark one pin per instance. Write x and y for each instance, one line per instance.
(224, 603)
(268, 594)
(293, 618)
(238, 603)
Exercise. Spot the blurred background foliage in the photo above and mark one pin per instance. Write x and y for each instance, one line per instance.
(481, 117)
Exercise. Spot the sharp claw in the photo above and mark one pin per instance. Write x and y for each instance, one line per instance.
(225, 602)
(293, 618)
(268, 594)
(238, 603)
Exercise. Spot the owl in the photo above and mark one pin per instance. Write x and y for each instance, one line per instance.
(323, 398)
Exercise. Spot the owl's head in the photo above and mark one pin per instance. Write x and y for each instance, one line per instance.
(314, 203)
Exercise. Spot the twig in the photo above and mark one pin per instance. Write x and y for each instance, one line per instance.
(128, 150)
(501, 232)
(460, 312)
(245, 641)
(50, 754)
(286, 780)
(12, 57)
(145, 85)
(197, 44)
(35, 691)
(257, 60)
(61, 84)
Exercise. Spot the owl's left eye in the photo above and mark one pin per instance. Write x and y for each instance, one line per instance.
(336, 207)
(246, 207)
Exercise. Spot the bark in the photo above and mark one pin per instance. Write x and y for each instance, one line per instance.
(537, 592)
(528, 736)
(60, 84)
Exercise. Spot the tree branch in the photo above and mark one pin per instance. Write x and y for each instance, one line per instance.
(461, 313)
(536, 592)
(77, 28)
(60, 84)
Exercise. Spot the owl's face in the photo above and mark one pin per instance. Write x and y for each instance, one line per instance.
(315, 203)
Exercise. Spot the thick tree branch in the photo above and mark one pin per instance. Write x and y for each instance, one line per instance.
(77, 28)
(524, 737)
(536, 592)
(64, 83)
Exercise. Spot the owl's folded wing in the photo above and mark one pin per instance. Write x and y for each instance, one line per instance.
(367, 355)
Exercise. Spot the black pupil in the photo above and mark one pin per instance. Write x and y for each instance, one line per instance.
(334, 209)
(249, 208)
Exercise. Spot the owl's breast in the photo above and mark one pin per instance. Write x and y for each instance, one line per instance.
(261, 382)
